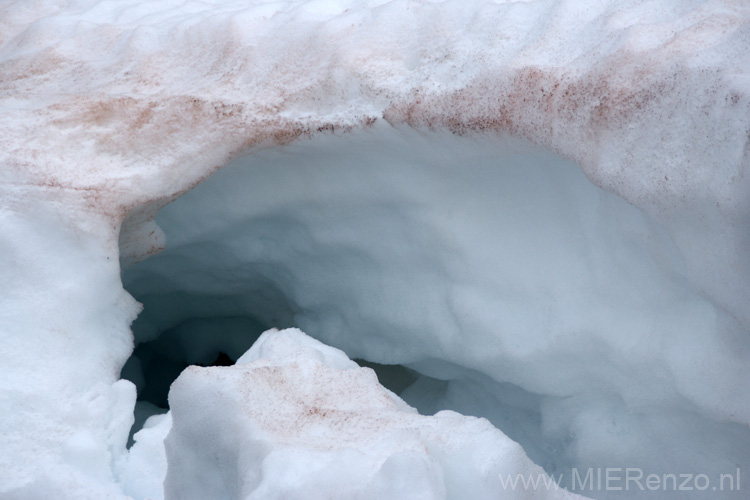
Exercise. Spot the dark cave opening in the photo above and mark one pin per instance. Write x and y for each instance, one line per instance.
(364, 246)
(162, 353)
(155, 364)
(495, 282)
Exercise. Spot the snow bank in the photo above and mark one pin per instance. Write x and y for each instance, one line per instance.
(295, 419)
(64, 334)
(110, 110)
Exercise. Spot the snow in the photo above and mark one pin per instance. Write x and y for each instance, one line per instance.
(594, 283)
(524, 293)
(299, 420)
(65, 332)
(141, 473)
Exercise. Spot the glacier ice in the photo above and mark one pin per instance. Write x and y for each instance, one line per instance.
(540, 207)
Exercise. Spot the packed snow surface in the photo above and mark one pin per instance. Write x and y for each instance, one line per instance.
(541, 207)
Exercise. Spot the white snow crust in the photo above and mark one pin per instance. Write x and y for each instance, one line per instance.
(589, 298)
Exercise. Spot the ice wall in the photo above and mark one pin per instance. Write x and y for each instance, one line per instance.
(112, 109)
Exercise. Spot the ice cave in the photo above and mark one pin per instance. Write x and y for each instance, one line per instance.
(374, 249)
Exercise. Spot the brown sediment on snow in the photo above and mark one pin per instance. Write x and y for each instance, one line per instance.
(132, 137)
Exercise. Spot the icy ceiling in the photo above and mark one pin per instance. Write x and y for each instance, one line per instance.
(538, 209)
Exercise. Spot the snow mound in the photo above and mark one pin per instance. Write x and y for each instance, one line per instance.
(295, 419)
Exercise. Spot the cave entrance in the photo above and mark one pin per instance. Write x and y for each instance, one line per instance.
(461, 263)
